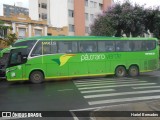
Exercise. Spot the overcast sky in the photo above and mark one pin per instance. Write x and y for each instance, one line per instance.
(148, 3)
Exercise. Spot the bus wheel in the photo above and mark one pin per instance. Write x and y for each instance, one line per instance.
(133, 71)
(120, 71)
(36, 77)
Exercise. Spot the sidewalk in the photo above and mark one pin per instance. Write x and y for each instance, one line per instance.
(148, 106)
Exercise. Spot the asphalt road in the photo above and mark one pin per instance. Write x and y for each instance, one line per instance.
(79, 95)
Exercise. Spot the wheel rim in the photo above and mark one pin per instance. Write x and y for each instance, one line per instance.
(120, 72)
(133, 71)
(37, 77)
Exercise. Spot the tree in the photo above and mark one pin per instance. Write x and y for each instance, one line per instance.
(7, 38)
(102, 27)
(152, 21)
(127, 19)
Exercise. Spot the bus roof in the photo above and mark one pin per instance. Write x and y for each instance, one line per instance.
(83, 38)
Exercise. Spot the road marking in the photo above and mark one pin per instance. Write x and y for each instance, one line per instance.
(64, 90)
(93, 91)
(123, 93)
(103, 106)
(137, 84)
(106, 80)
(74, 116)
(111, 83)
(155, 76)
(123, 100)
(92, 80)
(146, 87)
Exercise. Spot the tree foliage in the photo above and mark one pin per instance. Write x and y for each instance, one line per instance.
(127, 19)
(9, 38)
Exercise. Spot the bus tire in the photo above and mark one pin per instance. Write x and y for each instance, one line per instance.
(120, 71)
(133, 71)
(36, 77)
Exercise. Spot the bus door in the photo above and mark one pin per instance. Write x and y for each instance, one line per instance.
(16, 69)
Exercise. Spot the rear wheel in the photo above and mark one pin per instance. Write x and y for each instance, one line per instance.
(36, 77)
(133, 71)
(120, 71)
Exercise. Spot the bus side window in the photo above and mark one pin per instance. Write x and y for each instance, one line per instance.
(101, 46)
(118, 46)
(67, 47)
(144, 46)
(109, 46)
(37, 50)
(81, 48)
(87, 46)
(132, 46)
(151, 45)
(53, 47)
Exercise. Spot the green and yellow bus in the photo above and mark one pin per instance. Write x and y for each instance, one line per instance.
(56, 57)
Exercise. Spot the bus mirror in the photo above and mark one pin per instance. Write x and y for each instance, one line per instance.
(24, 58)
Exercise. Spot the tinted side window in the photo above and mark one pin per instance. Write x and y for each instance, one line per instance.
(37, 50)
(106, 46)
(101, 46)
(144, 45)
(53, 47)
(67, 47)
(87, 46)
(45, 47)
(151, 45)
(123, 46)
(110, 46)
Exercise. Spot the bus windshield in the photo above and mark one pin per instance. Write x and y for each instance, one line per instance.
(29, 44)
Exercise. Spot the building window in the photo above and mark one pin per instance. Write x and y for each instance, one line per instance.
(38, 32)
(86, 16)
(91, 4)
(39, 5)
(3, 33)
(86, 3)
(87, 30)
(22, 32)
(71, 13)
(95, 4)
(44, 16)
(44, 5)
(100, 6)
(91, 17)
(71, 28)
(70, 1)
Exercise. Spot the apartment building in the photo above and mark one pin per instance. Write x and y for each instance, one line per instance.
(77, 15)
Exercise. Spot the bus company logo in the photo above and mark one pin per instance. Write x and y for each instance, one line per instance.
(6, 115)
(63, 59)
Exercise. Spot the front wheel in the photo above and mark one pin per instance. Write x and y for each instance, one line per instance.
(120, 71)
(133, 71)
(36, 77)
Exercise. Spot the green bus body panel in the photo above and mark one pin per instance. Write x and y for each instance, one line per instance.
(84, 64)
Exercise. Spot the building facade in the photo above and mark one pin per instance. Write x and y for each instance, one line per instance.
(9, 10)
(23, 26)
(77, 15)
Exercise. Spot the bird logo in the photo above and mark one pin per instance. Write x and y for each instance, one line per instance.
(63, 59)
